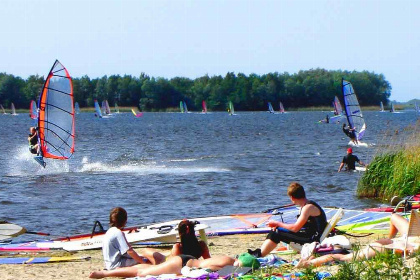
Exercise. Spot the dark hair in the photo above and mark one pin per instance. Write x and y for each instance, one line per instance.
(117, 217)
(189, 241)
(296, 190)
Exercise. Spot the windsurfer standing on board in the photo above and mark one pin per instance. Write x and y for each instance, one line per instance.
(350, 160)
(350, 132)
(33, 141)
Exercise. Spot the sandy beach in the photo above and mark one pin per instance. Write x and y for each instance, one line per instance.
(228, 245)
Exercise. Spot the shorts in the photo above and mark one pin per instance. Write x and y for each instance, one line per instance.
(32, 149)
(286, 236)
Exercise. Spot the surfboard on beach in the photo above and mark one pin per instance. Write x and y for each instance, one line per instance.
(38, 260)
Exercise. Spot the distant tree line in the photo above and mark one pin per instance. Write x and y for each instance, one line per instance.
(315, 87)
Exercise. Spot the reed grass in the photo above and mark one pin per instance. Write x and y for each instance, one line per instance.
(395, 170)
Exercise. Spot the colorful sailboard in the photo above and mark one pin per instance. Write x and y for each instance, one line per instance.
(381, 107)
(136, 113)
(77, 108)
(339, 116)
(231, 109)
(281, 110)
(352, 108)
(13, 110)
(56, 116)
(38, 260)
(117, 109)
(204, 111)
(270, 108)
(98, 112)
(2, 109)
(33, 110)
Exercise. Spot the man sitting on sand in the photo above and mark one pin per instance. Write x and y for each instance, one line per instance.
(309, 226)
(398, 224)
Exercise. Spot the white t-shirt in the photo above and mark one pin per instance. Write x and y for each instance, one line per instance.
(114, 249)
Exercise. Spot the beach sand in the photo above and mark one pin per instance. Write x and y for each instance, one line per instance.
(226, 245)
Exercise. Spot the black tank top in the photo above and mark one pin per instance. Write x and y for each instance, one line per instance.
(315, 224)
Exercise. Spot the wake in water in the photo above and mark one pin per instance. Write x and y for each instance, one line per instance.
(144, 169)
(22, 163)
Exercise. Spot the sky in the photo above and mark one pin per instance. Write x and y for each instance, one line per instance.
(180, 38)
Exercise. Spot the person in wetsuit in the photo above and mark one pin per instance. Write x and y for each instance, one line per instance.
(308, 228)
(350, 161)
(33, 141)
(350, 132)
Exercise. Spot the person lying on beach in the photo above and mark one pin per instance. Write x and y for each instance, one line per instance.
(189, 244)
(117, 252)
(308, 228)
(174, 265)
(398, 224)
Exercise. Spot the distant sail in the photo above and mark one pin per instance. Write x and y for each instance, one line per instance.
(77, 108)
(137, 113)
(107, 109)
(181, 106)
(338, 110)
(12, 107)
(2, 108)
(392, 108)
(231, 108)
(103, 108)
(56, 114)
(98, 109)
(204, 107)
(353, 111)
(33, 110)
(270, 108)
(185, 107)
(117, 110)
(382, 107)
(281, 108)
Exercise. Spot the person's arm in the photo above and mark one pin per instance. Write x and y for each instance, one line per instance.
(205, 250)
(341, 166)
(176, 249)
(301, 221)
(360, 162)
(135, 256)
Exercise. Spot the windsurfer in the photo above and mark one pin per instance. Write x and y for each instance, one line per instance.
(33, 140)
(350, 132)
(327, 119)
(308, 228)
(350, 160)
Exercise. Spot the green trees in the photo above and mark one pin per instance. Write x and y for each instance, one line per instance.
(314, 87)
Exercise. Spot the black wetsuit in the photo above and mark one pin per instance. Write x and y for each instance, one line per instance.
(310, 232)
(350, 160)
(32, 143)
(350, 133)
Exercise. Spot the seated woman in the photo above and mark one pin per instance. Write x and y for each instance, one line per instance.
(398, 224)
(189, 244)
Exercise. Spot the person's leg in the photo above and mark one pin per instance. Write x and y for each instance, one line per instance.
(172, 266)
(153, 256)
(213, 263)
(274, 238)
(398, 224)
(118, 272)
(322, 260)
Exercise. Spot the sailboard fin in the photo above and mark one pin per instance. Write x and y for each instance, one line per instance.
(40, 160)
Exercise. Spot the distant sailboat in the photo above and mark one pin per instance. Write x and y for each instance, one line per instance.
(353, 111)
(338, 112)
(2, 108)
(136, 113)
(77, 108)
(382, 107)
(181, 107)
(185, 107)
(33, 114)
(12, 107)
(282, 108)
(231, 109)
(270, 108)
(392, 110)
(97, 110)
(117, 110)
(204, 107)
(107, 109)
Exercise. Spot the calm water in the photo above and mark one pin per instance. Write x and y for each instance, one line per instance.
(166, 166)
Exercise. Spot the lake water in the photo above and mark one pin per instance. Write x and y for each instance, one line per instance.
(166, 166)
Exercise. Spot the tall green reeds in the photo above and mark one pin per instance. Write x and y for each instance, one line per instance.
(393, 171)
